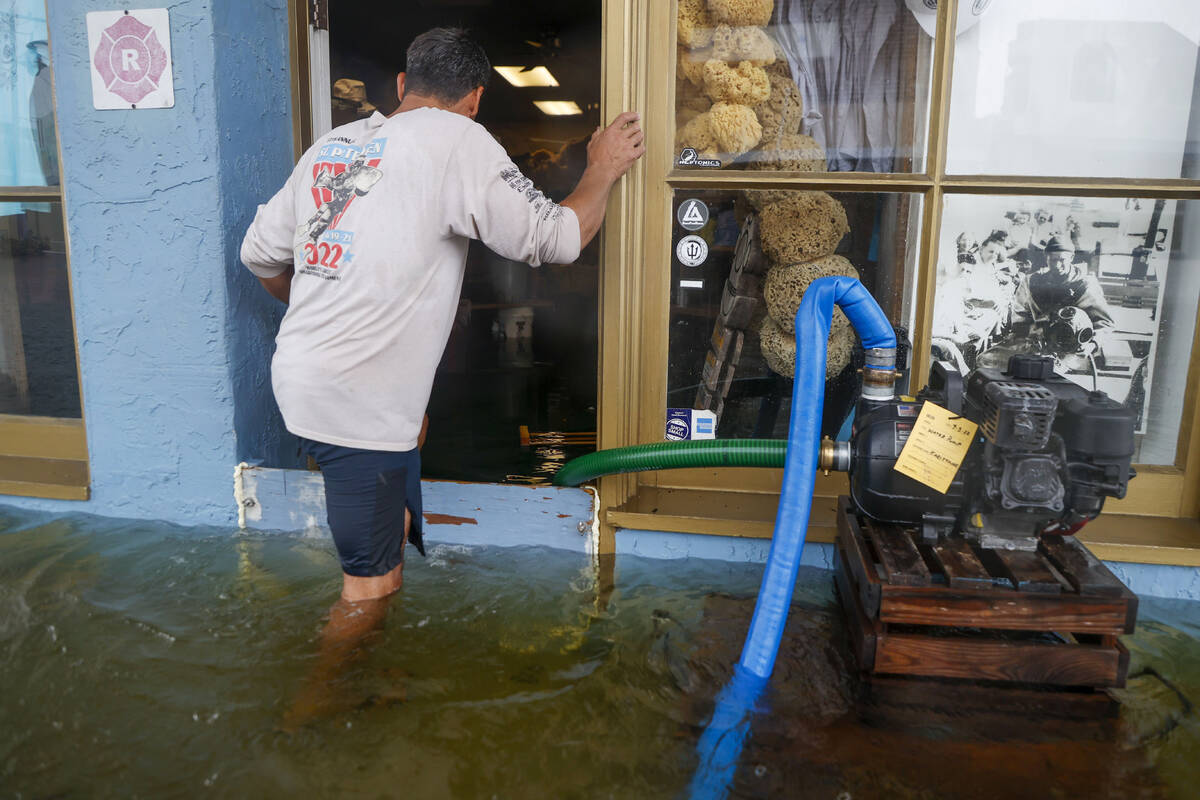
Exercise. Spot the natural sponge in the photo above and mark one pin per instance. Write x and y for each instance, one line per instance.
(695, 28)
(735, 129)
(691, 64)
(744, 84)
(741, 12)
(782, 111)
(786, 283)
(760, 198)
(742, 44)
(697, 134)
(780, 65)
(802, 226)
(779, 349)
(791, 151)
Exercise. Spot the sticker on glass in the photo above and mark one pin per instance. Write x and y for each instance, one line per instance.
(688, 157)
(692, 251)
(692, 215)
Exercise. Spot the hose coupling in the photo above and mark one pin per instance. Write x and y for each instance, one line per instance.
(833, 456)
(879, 374)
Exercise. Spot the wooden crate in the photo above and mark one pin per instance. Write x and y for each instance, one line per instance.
(955, 611)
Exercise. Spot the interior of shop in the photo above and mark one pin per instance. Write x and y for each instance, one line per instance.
(517, 384)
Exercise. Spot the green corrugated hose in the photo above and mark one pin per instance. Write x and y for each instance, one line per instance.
(674, 455)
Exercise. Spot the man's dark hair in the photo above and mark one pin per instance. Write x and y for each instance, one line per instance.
(445, 63)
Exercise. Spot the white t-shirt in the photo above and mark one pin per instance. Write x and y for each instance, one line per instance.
(376, 218)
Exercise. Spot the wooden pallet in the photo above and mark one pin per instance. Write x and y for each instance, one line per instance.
(1050, 617)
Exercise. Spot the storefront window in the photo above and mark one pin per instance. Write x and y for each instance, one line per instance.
(38, 374)
(28, 147)
(796, 85)
(37, 342)
(1077, 88)
(1108, 287)
(741, 262)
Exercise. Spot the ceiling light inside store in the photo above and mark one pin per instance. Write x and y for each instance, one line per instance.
(527, 76)
(558, 108)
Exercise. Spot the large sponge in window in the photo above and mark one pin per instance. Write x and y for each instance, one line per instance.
(760, 198)
(744, 84)
(790, 151)
(786, 283)
(695, 26)
(780, 66)
(691, 64)
(779, 349)
(734, 127)
(697, 133)
(742, 44)
(782, 112)
(741, 12)
(802, 226)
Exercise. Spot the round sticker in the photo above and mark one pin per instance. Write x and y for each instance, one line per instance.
(692, 215)
(692, 251)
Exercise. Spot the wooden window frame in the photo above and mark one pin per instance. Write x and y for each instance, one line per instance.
(46, 456)
(639, 65)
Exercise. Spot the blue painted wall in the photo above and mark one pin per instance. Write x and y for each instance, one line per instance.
(173, 339)
(255, 150)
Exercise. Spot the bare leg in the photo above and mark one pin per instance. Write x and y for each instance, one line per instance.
(357, 615)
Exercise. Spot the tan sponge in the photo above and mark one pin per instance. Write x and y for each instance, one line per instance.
(695, 28)
(744, 83)
(785, 285)
(727, 129)
(742, 44)
(802, 226)
(741, 12)
(779, 349)
(783, 110)
(791, 151)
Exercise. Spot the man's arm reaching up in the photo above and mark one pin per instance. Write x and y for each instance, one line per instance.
(486, 197)
(611, 152)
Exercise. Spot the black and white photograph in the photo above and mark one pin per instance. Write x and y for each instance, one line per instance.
(1076, 279)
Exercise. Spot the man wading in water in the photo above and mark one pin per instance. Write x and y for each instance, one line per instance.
(371, 267)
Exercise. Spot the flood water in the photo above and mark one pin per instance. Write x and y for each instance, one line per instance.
(138, 659)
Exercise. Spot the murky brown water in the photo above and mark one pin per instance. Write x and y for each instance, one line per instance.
(137, 659)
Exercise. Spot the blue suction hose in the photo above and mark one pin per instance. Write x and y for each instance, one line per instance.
(721, 744)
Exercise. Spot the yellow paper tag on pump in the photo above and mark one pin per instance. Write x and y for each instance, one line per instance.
(936, 447)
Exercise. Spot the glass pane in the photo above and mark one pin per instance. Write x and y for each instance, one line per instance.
(517, 384)
(38, 372)
(1108, 287)
(740, 264)
(28, 148)
(839, 85)
(1077, 88)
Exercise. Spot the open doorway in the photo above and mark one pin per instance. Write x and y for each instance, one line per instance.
(515, 394)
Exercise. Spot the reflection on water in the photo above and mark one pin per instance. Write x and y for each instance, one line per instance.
(140, 659)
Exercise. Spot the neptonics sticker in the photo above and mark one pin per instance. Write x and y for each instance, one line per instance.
(341, 172)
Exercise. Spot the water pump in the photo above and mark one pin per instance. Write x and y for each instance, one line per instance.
(1046, 455)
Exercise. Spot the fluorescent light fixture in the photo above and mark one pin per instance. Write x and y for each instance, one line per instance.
(558, 108)
(691, 284)
(527, 76)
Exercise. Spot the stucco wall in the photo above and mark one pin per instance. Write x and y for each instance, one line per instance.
(255, 151)
(170, 332)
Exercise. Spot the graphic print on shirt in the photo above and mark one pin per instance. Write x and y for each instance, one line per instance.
(341, 172)
(543, 206)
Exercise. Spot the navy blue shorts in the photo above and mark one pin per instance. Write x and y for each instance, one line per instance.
(366, 492)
